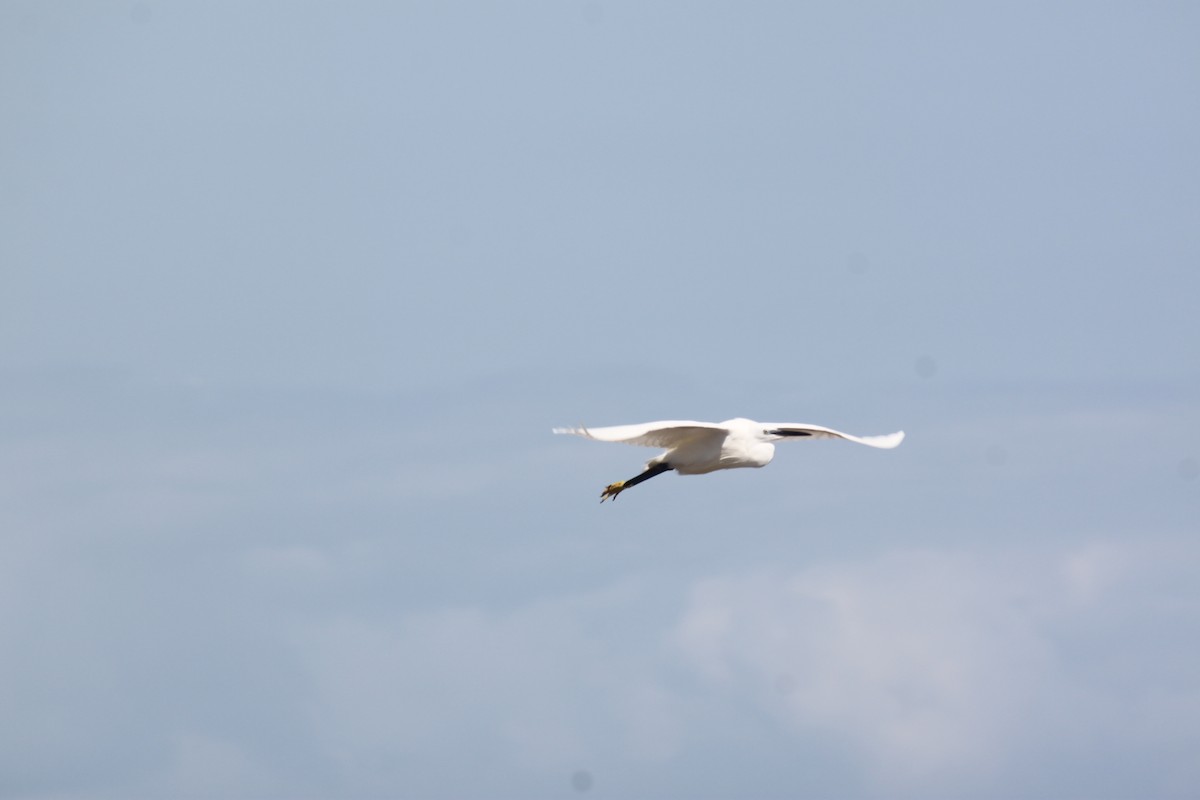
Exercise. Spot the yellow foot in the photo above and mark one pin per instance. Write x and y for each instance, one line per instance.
(612, 490)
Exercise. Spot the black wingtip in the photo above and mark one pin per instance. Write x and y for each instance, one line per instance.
(781, 432)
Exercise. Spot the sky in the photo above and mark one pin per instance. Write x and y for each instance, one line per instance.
(291, 295)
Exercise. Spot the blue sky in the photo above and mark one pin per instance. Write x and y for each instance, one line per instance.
(291, 295)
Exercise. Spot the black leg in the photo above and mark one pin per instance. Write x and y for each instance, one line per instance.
(614, 489)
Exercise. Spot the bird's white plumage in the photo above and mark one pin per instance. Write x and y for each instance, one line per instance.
(667, 433)
(885, 441)
(693, 448)
(671, 433)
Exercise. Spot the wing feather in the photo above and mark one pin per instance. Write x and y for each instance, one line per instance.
(666, 433)
(886, 441)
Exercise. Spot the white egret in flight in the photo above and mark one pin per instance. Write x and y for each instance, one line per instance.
(694, 448)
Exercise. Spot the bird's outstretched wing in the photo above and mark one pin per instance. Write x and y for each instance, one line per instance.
(789, 429)
(667, 433)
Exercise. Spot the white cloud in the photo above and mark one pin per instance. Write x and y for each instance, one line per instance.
(939, 669)
(933, 673)
(532, 688)
(203, 766)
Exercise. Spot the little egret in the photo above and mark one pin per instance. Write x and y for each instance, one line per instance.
(694, 448)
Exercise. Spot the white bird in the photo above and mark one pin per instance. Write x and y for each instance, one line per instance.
(694, 448)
